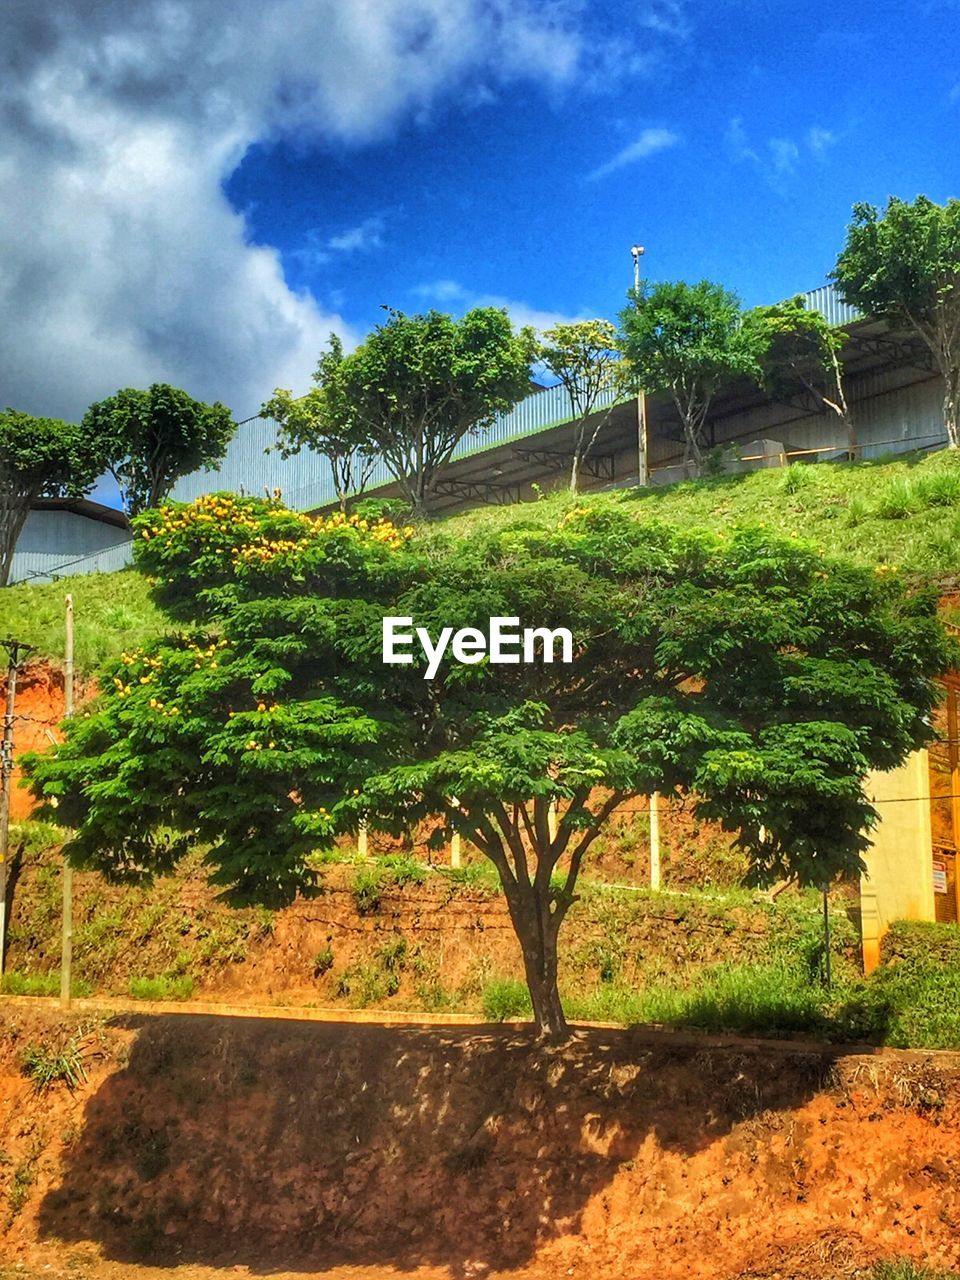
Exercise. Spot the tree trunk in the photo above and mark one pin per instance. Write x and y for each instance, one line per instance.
(951, 406)
(537, 931)
(575, 475)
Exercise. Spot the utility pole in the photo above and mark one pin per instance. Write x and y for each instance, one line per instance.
(66, 941)
(643, 464)
(16, 654)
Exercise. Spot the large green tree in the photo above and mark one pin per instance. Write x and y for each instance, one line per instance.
(324, 421)
(42, 458)
(583, 356)
(687, 340)
(798, 353)
(420, 383)
(156, 436)
(904, 266)
(754, 674)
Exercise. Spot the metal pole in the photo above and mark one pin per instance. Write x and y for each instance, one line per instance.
(827, 967)
(66, 941)
(13, 648)
(643, 466)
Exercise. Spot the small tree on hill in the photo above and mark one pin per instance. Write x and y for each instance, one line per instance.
(322, 420)
(798, 350)
(584, 356)
(753, 673)
(420, 383)
(41, 458)
(687, 340)
(156, 437)
(904, 266)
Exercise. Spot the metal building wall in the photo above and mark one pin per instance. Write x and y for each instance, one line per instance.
(58, 543)
(253, 466)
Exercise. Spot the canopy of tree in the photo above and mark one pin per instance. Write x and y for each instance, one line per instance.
(904, 266)
(752, 673)
(42, 458)
(414, 388)
(155, 437)
(688, 340)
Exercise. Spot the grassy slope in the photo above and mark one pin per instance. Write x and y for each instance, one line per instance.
(904, 513)
(112, 611)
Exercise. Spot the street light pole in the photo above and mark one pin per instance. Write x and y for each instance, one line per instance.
(643, 468)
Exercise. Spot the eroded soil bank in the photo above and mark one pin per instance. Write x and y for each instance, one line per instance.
(214, 1144)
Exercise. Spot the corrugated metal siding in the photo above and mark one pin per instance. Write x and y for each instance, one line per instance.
(57, 543)
(305, 480)
(828, 302)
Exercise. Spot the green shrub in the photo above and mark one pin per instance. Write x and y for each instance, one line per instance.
(393, 955)
(797, 477)
(166, 987)
(401, 869)
(366, 891)
(322, 962)
(898, 500)
(938, 488)
(505, 998)
(46, 1065)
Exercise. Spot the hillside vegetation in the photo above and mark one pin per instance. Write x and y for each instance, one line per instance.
(903, 514)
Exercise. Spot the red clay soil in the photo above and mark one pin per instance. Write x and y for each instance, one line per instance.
(38, 710)
(256, 1145)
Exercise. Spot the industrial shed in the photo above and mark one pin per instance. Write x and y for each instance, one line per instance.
(893, 390)
(65, 535)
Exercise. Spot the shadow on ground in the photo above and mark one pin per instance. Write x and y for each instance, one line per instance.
(303, 1145)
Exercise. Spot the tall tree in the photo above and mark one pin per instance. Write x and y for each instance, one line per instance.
(687, 340)
(584, 356)
(798, 350)
(156, 437)
(41, 458)
(753, 673)
(322, 420)
(420, 383)
(904, 266)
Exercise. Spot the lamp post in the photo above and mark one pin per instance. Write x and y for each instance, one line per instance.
(643, 470)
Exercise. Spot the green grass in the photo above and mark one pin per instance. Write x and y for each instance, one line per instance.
(111, 611)
(166, 987)
(903, 511)
(14, 983)
(907, 1270)
(46, 1065)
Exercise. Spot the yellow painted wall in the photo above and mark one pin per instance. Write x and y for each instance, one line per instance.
(899, 880)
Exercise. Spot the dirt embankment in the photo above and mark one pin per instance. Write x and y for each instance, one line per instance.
(447, 1152)
(38, 712)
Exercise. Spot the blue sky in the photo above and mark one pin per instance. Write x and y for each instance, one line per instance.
(735, 153)
(198, 194)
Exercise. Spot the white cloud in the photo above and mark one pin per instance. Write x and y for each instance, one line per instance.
(121, 259)
(452, 295)
(779, 159)
(737, 143)
(784, 154)
(820, 140)
(649, 143)
(363, 238)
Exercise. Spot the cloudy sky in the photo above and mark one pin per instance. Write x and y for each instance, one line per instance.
(199, 192)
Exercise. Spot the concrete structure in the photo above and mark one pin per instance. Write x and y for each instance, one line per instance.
(898, 884)
(64, 536)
